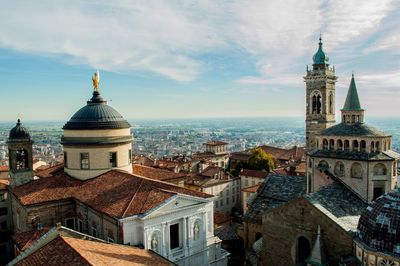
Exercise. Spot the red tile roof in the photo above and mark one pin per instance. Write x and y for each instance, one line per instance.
(4, 183)
(155, 173)
(65, 250)
(301, 169)
(4, 168)
(251, 189)
(220, 217)
(25, 239)
(49, 171)
(253, 173)
(143, 160)
(295, 153)
(211, 171)
(215, 143)
(240, 156)
(115, 193)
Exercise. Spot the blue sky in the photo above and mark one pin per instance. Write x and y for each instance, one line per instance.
(180, 59)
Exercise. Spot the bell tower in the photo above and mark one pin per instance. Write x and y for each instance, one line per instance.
(20, 156)
(320, 96)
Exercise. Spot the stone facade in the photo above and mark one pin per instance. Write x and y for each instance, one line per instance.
(289, 226)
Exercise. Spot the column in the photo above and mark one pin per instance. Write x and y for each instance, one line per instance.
(185, 235)
(167, 246)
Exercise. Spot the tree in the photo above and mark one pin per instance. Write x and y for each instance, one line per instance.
(259, 160)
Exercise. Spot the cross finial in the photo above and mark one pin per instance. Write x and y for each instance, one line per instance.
(320, 37)
(352, 73)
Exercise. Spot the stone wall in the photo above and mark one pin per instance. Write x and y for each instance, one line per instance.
(283, 226)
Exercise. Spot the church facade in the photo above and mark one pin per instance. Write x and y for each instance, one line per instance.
(95, 192)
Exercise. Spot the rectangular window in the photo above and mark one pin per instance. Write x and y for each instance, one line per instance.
(221, 202)
(174, 236)
(94, 232)
(85, 160)
(233, 198)
(113, 159)
(3, 211)
(70, 223)
(65, 160)
(216, 204)
(227, 200)
(246, 182)
(130, 156)
(80, 225)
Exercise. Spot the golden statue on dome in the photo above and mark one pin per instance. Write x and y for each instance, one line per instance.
(96, 80)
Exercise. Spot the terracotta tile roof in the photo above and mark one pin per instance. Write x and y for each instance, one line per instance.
(251, 189)
(155, 173)
(115, 193)
(143, 160)
(215, 143)
(211, 171)
(301, 168)
(4, 183)
(49, 171)
(25, 239)
(240, 156)
(65, 250)
(4, 168)
(220, 217)
(295, 153)
(253, 173)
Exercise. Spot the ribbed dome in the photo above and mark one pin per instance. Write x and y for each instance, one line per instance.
(320, 58)
(96, 115)
(19, 132)
(379, 224)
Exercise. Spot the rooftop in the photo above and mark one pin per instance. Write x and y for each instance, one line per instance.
(353, 130)
(355, 155)
(115, 193)
(339, 204)
(253, 173)
(155, 173)
(215, 143)
(275, 191)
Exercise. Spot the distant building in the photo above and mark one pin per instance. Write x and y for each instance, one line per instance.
(224, 187)
(250, 181)
(215, 153)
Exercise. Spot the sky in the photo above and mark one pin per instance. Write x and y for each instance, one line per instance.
(191, 59)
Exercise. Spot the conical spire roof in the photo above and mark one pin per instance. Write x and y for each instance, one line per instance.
(317, 256)
(352, 101)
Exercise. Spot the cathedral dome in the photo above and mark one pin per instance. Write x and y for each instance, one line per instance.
(19, 132)
(320, 57)
(379, 224)
(97, 115)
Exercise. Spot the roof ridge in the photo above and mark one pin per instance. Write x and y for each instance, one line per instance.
(133, 197)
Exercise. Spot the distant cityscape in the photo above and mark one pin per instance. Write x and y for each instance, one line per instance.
(164, 138)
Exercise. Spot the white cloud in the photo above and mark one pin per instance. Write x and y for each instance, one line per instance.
(169, 37)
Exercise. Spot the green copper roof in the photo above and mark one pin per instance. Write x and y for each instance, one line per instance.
(320, 58)
(352, 102)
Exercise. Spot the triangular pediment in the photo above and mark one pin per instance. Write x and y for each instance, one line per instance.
(175, 204)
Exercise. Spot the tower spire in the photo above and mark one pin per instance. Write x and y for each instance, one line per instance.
(352, 111)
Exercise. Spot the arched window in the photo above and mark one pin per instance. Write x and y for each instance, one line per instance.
(325, 144)
(323, 165)
(331, 144)
(339, 169)
(380, 169)
(355, 145)
(384, 145)
(316, 103)
(363, 146)
(339, 144)
(377, 148)
(356, 170)
(21, 159)
(353, 118)
(372, 146)
(346, 145)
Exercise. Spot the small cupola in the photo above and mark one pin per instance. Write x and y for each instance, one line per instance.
(320, 58)
(19, 132)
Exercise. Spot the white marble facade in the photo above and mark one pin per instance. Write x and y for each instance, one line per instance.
(194, 242)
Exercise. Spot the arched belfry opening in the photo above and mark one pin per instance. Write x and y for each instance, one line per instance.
(316, 103)
(302, 251)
